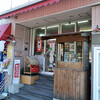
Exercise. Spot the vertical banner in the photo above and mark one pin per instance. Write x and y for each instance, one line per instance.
(39, 44)
(9, 51)
(51, 58)
(16, 74)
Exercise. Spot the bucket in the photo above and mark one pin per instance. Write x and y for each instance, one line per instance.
(1, 56)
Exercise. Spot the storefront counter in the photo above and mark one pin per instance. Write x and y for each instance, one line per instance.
(71, 74)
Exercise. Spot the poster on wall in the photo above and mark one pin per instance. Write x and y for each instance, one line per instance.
(71, 47)
(16, 74)
(51, 58)
(18, 53)
(39, 44)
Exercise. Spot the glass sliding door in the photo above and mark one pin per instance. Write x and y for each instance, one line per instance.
(50, 49)
(39, 46)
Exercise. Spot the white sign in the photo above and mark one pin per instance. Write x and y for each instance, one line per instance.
(2, 45)
(16, 74)
(96, 73)
(51, 58)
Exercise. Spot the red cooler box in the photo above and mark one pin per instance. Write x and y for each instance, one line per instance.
(34, 68)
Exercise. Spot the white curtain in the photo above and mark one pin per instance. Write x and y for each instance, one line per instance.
(2, 45)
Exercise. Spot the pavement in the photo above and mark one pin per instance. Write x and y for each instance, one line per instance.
(41, 90)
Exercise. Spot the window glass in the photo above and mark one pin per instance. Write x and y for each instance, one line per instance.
(50, 48)
(68, 27)
(35, 0)
(52, 29)
(71, 52)
(5, 5)
(16, 3)
(9, 4)
(39, 32)
(84, 25)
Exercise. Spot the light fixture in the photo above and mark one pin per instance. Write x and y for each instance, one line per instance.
(52, 40)
(37, 23)
(52, 26)
(42, 35)
(69, 24)
(43, 28)
(83, 21)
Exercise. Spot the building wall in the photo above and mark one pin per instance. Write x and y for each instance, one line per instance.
(95, 16)
(22, 41)
(63, 5)
(95, 38)
(11, 20)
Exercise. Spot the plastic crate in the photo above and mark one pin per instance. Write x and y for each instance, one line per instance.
(34, 68)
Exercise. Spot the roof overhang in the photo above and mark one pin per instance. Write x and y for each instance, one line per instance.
(5, 31)
(28, 8)
(84, 34)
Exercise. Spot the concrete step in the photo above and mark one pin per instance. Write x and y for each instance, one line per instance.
(39, 91)
(43, 86)
(44, 83)
(12, 99)
(28, 95)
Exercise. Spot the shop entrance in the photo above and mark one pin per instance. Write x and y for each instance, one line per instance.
(71, 74)
(96, 75)
(50, 55)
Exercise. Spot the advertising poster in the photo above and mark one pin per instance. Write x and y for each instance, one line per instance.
(16, 74)
(39, 44)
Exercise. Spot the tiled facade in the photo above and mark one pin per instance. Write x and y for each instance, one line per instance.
(63, 5)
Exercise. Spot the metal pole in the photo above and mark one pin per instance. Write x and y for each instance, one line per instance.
(85, 54)
(44, 60)
(31, 35)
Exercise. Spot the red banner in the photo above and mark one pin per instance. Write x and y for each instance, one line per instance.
(39, 44)
(16, 73)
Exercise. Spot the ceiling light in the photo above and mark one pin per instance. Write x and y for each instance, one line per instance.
(52, 26)
(69, 24)
(37, 23)
(83, 21)
(42, 35)
(43, 28)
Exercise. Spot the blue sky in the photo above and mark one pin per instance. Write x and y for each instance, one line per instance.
(8, 4)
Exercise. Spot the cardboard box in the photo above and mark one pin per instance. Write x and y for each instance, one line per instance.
(36, 77)
(27, 79)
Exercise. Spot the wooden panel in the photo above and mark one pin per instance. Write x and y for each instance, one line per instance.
(69, 38)
(63, 5)
(27, 79)
(70, 65)
(70, 85)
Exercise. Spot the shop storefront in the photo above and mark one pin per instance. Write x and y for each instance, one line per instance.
(74, 61)
(7, 42)
(46, 66)
(49, 17)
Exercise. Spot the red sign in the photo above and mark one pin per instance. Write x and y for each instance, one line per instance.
(16, 73)
(39, 44)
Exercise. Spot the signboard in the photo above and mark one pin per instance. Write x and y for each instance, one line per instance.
(36, 1)
(51, 58)
(39, 44)
(16, 74)
(18, 53)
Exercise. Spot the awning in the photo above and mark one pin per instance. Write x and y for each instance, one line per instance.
(29, 8)
(85, 33)
(5, 31)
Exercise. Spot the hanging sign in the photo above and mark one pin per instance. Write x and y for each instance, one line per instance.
(51, 58)
(39, 44)
(16, 76)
